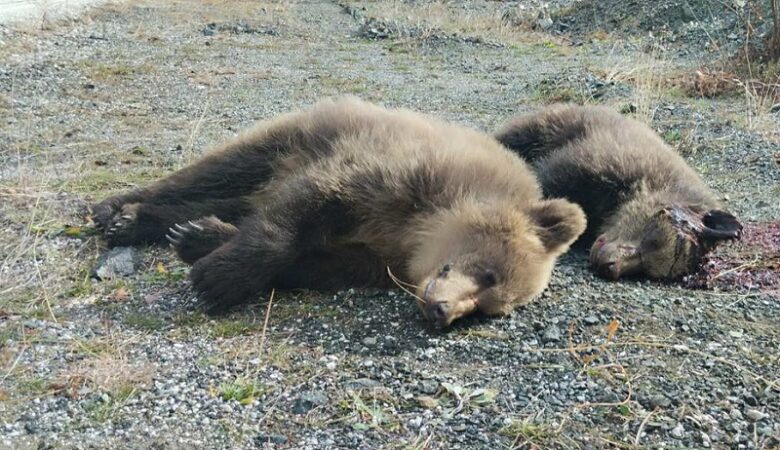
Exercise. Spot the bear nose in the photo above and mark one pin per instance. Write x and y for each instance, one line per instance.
(438, 313)
(610, 270)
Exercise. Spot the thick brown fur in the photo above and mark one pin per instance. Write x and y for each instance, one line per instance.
(652, 212)
(334, 195)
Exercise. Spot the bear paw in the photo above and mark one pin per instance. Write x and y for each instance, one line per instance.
(196, 239)
(220, 284)
(121, 229)
(105, 213)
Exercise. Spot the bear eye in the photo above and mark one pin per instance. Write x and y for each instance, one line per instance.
(488, 279)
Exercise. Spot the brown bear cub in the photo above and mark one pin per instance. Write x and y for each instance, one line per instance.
(337, 195)
(652, 213)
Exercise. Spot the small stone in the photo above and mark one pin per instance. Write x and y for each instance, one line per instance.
(427, 401)
(678, 432)
(688, 14)
(660, 401)
(775, 108)
(308, 401)
(591, 320)
(755, 415)
(545, 23)
(551, 334)
(415, 423)
(361, 383)
(750, 400)
(117, 262)
(270, 439)
(429, 387)
(705, 440)
(369, 341)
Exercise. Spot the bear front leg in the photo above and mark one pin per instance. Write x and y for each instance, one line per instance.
(109, 211)
(148, 222)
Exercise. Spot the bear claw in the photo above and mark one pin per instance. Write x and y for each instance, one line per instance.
(198, 238)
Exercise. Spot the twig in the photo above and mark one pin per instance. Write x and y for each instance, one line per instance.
(195, 129)
(734, 269)
(682, 348)
(265, 322)
(642, 426)
(400, 284)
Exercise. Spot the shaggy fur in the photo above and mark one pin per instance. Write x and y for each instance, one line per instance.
(653, 214)
(335, 195)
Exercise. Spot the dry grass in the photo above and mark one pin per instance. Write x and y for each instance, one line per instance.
(197, 13)
(105, 374)
(438, 16)
(646, 74)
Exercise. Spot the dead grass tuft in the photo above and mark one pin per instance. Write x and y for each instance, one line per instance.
(709, 83)
(105, 374)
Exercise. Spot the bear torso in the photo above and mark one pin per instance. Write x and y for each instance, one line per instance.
(392, 168)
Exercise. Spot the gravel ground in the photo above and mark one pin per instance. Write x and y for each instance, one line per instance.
(133, 91)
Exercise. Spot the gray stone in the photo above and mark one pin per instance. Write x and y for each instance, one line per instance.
(369, 341)
(308, 401)
(688, 14)
(270, 439)
(551, 334)
(361, 383)
(678, 432)
(545, 23)
(755, 415)
(591, 320)
(660, 401)
(429, 387)
(117, 262)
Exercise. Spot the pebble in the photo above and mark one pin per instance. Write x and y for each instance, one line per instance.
(660, 401)
(551, 334)
(270, 438)
(755, 415)
(591, 320)
(429, 386)
(308, 401)
(678, 432)
(361, 383)
(117, 262)
(415, 423)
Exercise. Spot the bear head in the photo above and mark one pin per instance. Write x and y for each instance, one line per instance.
(670, 244)
(490, 258)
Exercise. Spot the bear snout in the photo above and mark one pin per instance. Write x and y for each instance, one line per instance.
(448, 296)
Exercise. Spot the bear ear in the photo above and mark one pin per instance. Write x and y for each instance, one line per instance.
(559, 223)
(720, 225)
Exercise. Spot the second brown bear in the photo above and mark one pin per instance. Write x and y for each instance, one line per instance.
(649, 212)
